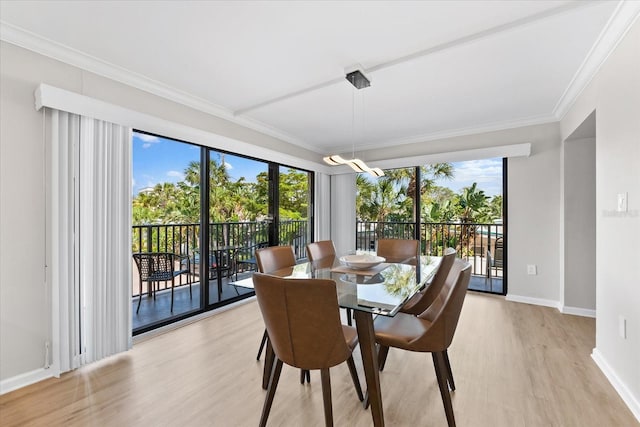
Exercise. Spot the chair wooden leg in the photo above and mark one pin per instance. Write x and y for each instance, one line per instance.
(271, 391)
(305, 376)
(383, 351)
(441, 375)
(349, 317)
(354, 377)
(452, 385)
(269, 358)
(326, 397)
(262, 343)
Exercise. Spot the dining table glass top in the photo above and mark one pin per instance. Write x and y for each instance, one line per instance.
(382, 289)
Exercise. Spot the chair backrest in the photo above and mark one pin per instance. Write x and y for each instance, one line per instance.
(398, 250)
(302, 320)
(320, 250)
(432, 291)
(445, 310)
(154, 265)
(274, 258)
(498, 255)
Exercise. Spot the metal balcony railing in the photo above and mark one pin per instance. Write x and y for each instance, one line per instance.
(183, 240)
(470, 240)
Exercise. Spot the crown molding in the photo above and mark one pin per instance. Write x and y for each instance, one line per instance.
(613, 32)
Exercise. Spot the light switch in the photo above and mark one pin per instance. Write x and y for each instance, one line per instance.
(622, 202)
(622, 327)
(532, 269)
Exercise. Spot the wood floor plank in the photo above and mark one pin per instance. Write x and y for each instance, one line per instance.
(514, 365)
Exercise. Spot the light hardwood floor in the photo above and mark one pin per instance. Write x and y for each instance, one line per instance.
(514, 365)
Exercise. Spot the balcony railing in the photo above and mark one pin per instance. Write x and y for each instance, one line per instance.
(470, 240)
(183, 240)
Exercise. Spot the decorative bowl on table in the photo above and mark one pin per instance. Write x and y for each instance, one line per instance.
(361, 262)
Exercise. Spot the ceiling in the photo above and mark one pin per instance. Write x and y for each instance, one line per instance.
(437, 68)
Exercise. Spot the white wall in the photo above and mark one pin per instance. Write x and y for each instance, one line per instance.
(343, 212)
(580, 226)
(615, 96)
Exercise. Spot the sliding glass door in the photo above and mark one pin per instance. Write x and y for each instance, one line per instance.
(207, 211)
(238, 208)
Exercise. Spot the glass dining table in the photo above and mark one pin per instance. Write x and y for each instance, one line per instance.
(381, 289)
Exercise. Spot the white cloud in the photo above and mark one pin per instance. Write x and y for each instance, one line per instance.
(147, 138)
(175, 174)
(479, 171)
(228, 166)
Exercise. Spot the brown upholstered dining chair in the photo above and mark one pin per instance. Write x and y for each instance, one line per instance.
(274, 258)
(303, 323)
(270, 259)
(322, 254)
(321, 250)
(423, 299)
(432, 331)
(398, 250)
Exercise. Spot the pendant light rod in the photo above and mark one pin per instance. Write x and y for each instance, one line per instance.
(359, 81)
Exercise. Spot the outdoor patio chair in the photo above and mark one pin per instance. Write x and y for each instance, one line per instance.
(494, 261)
(303, 322)
(251, 263)
(155, 267)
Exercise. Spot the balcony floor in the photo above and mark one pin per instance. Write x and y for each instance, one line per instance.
(159, 309)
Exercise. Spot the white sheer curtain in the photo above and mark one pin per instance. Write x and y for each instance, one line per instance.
(90, 239)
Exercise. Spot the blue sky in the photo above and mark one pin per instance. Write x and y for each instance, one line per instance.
(157, 160)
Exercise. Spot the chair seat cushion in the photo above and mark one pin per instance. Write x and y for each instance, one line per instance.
(160, 276)
(400, 330)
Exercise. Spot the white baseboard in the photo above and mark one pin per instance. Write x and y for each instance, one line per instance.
(533, 301)
(577, 311)
(23, 380)
(618, 385)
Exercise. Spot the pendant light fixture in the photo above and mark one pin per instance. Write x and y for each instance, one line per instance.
(359, 81)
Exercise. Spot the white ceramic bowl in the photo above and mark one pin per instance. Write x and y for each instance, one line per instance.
(361, 262)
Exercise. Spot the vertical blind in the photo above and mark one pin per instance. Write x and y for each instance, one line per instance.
(90, 171)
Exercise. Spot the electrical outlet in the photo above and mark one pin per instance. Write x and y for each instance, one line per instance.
(532, 269)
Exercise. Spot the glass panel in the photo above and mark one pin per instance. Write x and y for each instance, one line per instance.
(385, 207)
(238, 212)
(294, 209)
(463, 209)
(461, 206)
(165, 211)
